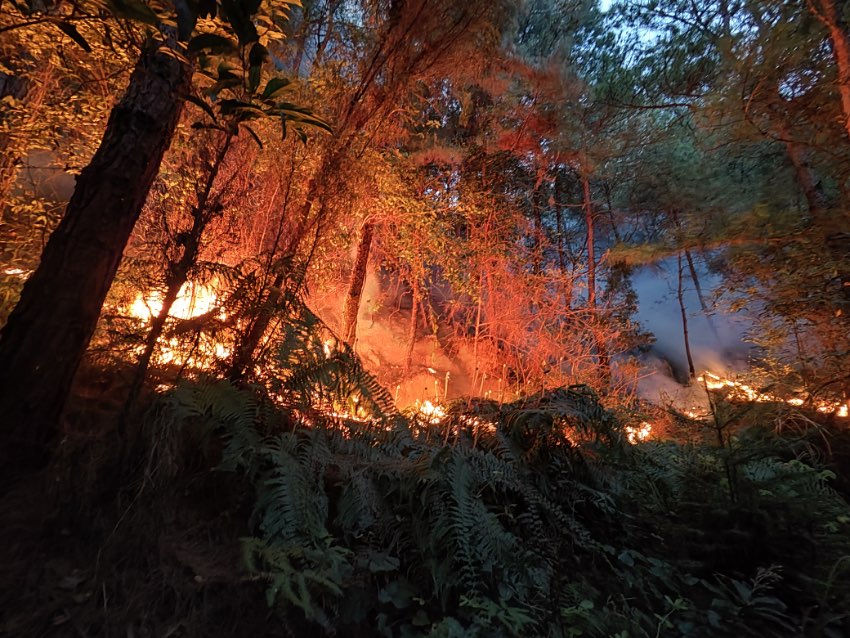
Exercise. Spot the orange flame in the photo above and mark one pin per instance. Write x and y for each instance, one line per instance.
(736, 389)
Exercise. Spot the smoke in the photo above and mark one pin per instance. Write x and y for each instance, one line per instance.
(438, 375)
(717, 341)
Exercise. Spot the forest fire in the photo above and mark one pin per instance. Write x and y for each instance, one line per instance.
(432, 413)
(192, 301)
(638, 434)
(741, 391)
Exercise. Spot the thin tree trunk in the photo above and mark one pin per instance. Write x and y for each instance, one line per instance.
(559, 223)
(805, 175)
(265, 309)
(702, 304)
(596, 327)
(829, 223)
(695, 278)
(411, 332)
(828, 12)
(355, 287)
(178, 274)
(250, 341)
(48, 332)
(537, 211)
(680, 292)
(591, 249)
(477, 337)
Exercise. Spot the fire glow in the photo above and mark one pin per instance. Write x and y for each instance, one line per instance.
(737, 390)
(193, 300)
(636, 434)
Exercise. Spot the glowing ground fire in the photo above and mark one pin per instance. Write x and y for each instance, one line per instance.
(193, 300)
(737, 390)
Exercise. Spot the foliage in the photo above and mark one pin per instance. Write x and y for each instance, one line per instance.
(526, 519)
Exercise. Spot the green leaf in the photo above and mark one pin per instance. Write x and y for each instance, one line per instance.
(382, 562)
(234, 107)
(208, 127)
(253, 134)
(275, 86)
(71, 31)
(133, 10)
(398, 592)
(241, 22)
(213, 43)
(202, 105)
(256, 58)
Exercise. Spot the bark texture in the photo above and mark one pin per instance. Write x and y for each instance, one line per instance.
(49, 330)
(355, 287)
(829, 12)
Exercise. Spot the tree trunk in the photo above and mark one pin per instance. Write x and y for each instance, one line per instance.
(702, 304)
(596, 327)
(680, 293)
(805, 175)
(828, 12)
(178, 274)
(411, 333)
(49, 330)
(695, 278)
(591, 249)
(250, 340)
(355, 287)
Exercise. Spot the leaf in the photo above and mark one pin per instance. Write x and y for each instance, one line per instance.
(202, 105)
(382, 562)
(209, 127)
(398, 592)
(212, 42)
(187, 18)
(256, 58)
(133, 10)
(71, 31)
(236, 107)
(241, 22)
(254, 135)
(275, 86)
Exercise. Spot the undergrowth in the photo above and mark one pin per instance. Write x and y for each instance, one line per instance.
(528, 519)
(264, 510)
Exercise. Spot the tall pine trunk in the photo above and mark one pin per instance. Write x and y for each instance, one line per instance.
(355, 286)
(48, 332)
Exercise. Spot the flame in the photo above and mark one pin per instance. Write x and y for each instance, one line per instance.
(639, 433)
(433, 413)
(739, 390)
(193, 300)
